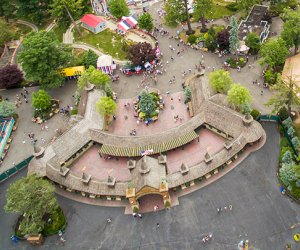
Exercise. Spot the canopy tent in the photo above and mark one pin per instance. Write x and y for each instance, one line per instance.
(126, 23)
(106, 64)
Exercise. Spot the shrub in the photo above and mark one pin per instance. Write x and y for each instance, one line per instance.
(287, 158)
(283, 113)
(58, 222)
(168, 204)
(74, 112)
(135, 209)
(187, 94)
(291, 132)
(270, 77)
(255, 114)
(288, 122)
(284, 150)
(7, 108)
(192, 39)
(295, 141)
(232, 7)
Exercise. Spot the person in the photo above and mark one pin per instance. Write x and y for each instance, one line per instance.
(157, 225)
(62, 240)
(108, 220)
(140, 216)
(261, 92)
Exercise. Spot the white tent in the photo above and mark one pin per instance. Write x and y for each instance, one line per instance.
(106, 64)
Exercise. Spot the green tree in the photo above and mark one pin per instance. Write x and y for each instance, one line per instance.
(7, 9)
(147, 104)
(41, 100)
(238, 95)
(285, 95)
(6, 33)
(220, 81)
(274, 53)
(7, 108)
(71, 8)
(93, 76)
(42, 57)
(202, 8)
(287, 158)
(295, 141)
(106, 107)
(253, 42)
(33, 197)
(187, 94)
(291, 131)
(246, 108)
(145, 21)
(234, 43)
(291, 28)
(287, 175)
(118, 8)
(177, 11)
(90, 59)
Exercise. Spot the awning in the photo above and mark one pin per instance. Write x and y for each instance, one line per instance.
(155, 149)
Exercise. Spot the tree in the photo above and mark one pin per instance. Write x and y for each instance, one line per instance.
(238, 95)
(253, 42)
(234, 42)
(223, 39)
(106, 107)
(291, 29)
(295, 141)
(7, 108)
(145, 21)
(202, 8)
(7, 8)
(287, 175)
(6, 33)
(141, 53)
(147, 104)
(220, 81)
(187, 94)
(246, 108)
(35, 10)
(90, 59)
(93, 76)
(177, 11)
(71, 8)
(118, 8)
(41, 100)
(274, 53)
(10, 76)
(42, 57)
(33, 197)
(285, 95)
(291, 132)
(287, 158)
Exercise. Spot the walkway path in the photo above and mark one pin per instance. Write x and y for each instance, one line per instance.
(260, 214)
(31, 25)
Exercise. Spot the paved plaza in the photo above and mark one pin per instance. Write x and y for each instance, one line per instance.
(260, 213)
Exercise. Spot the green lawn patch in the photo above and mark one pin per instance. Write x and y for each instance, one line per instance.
(59, 30)
(107, 41)
(218, 11)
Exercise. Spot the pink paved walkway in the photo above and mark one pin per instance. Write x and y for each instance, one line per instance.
(165, 119)
(194, 152)
(91, 163)
(148, 202)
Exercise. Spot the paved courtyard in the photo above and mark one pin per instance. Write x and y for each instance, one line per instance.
(260, 213)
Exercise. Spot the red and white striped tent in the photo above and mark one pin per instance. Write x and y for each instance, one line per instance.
(126, 23)
(106, 64)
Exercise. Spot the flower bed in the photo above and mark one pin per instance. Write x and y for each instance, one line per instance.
(234, 63)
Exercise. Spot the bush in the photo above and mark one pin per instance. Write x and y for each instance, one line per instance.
(192, 39)
(283, 113)
(284, 150)
(270, 77)
(284, 142)
(232, 7)
(168, 204)
(187, 94)
(255, 114)
(135, 209)
(74, 112)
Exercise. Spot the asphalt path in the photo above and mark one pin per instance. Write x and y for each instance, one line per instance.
(260, 214)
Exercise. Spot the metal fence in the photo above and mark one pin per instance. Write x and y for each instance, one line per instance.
(10, 172)
(275, 118)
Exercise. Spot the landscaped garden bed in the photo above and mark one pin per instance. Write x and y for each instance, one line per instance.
(236, 62)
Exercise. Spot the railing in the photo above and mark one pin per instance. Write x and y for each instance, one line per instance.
(10, 172)
(275, 118)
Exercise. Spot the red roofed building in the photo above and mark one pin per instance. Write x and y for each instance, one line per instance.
(93, 23)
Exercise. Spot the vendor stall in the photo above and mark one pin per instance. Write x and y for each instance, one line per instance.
(106, 64)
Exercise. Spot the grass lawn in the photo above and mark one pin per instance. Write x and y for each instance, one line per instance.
(218, 11)
(104, 41)
(59, 30)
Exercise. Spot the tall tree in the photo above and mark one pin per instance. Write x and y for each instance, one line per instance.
(71, 8)
(118, 8)
(202, 8)
(10, 76)
(234, 42)
(253, 42)
(223, 39)
(220, 81)
(238, 95)
(32, 197)
(42, 57)
(90, 59)
(93, 76)
(41, 100)
(147, 104)
(177, 11)
(6, 33)
(7, 108)
(7, 8)
(291, 28)
(141, 53)
(106, 107)
(285, 95)
(274, 53)
(145, 21)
